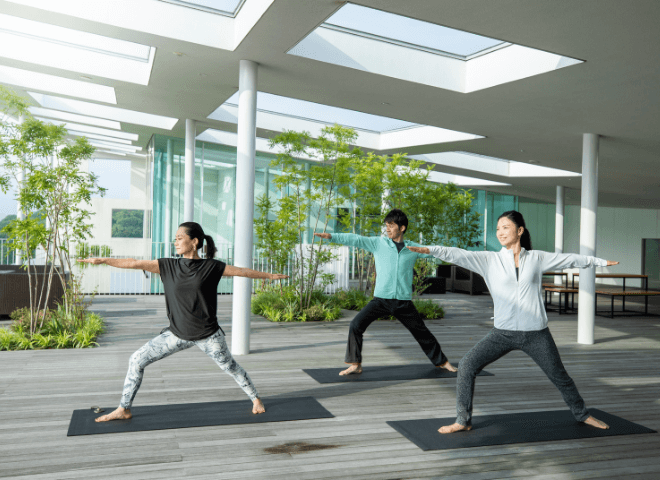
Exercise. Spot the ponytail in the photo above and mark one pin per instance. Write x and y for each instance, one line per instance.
(194, 230)
(210, 246)
(519, 221)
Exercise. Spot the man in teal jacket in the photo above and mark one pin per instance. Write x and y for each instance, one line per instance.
(393, 292)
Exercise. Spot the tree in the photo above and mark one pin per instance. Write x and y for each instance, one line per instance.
(127, 223)
(52, 193)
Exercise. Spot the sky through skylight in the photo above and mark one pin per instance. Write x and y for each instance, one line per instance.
(408, 30)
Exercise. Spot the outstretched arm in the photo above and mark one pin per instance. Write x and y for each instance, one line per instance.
(146, 265)
(351, 239)
(557, 261)
(231, 271)
(475, 261)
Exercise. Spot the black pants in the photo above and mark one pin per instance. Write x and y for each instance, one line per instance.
(405, 312)
(539, 345)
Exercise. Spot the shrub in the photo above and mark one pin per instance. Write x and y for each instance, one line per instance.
(60, 330)
(283, 305)
(350, 299)
(429, 310)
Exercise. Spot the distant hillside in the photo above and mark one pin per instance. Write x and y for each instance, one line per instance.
(4, 222)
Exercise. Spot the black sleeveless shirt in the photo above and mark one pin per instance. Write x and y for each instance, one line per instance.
(191, 295)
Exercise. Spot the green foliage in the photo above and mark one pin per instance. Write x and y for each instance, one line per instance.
(351, 299)
(5, 222)
(59, 330)
(429, 310)
(128, 223)
(51, 186)
(284, 306)
(424, 267)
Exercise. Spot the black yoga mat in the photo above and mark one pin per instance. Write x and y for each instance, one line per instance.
(184, 415)
(382, 373)
(513, 428)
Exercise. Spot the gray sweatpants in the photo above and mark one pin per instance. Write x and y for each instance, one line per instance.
(539, 345)
(165, 345)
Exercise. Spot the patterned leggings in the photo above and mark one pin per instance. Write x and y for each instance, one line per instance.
(165, 345)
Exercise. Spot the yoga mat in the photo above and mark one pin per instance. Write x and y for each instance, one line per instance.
(185, 415)
(382, 373)
(513, 428)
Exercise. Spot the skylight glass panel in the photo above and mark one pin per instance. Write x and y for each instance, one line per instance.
(103, 111)
(72, 117)
(223, 7)
(87, 129)
(390, 26)
(98, 137)
(267, 102)
(115, 146)
(68, 49)
(51, 83)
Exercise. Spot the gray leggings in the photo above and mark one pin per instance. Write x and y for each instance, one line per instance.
(165, 345)
(539, 345)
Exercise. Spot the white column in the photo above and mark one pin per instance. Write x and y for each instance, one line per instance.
(559, 226)
(189, 177)
(586, 305)
(168, 234)
(244, 214)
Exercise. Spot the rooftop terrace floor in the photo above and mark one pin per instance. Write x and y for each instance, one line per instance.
(39, 390)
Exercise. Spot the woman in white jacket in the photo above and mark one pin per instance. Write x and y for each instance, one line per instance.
(514, 279)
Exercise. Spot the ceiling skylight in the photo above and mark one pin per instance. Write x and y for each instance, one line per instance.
(395, 46)
(491, 165)
(416, 33)
(103, 111)
(115, 146)
(87, 129)
(98, 137)
(51, 83)
(72, 117)
(278, 113)
(68, 49)
(292, 107)
(223, 7)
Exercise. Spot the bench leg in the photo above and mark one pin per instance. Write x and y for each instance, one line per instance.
(612, 314)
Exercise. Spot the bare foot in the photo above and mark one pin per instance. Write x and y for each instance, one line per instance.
(257, 406)
(594, 422)
(354, 368)
(119, 414)
(456, 427)
(448, 366)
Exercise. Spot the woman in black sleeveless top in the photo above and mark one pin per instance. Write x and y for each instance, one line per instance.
(191, 285)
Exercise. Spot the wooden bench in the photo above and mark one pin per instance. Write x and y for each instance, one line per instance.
(610, 292)
(551, 288)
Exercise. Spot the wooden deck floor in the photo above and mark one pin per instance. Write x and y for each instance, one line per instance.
(39, 390)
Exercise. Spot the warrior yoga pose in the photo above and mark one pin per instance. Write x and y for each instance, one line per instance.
(191, 285)
(392, 295)
(513, 276)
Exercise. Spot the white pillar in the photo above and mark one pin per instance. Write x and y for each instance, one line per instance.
(559, 226)
(244, 214)
(168, 233)
(189, 181)
(586, 305)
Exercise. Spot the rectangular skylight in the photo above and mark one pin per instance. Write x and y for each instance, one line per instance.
(292, 107)
(103, 111)
(115, 146)
(98, 137)
(72, 117)
(51, 83)
(87, 129)
(68, 49)
(223, 7)
(389, 26)
(112, 152)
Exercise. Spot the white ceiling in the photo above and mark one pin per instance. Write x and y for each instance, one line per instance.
(614, 93)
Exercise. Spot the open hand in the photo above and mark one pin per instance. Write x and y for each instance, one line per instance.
(327, 236)
(419, 249)
(611, 262)
(277, 276)
(93, 261)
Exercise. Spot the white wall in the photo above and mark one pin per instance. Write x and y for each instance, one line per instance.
(619, 237)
